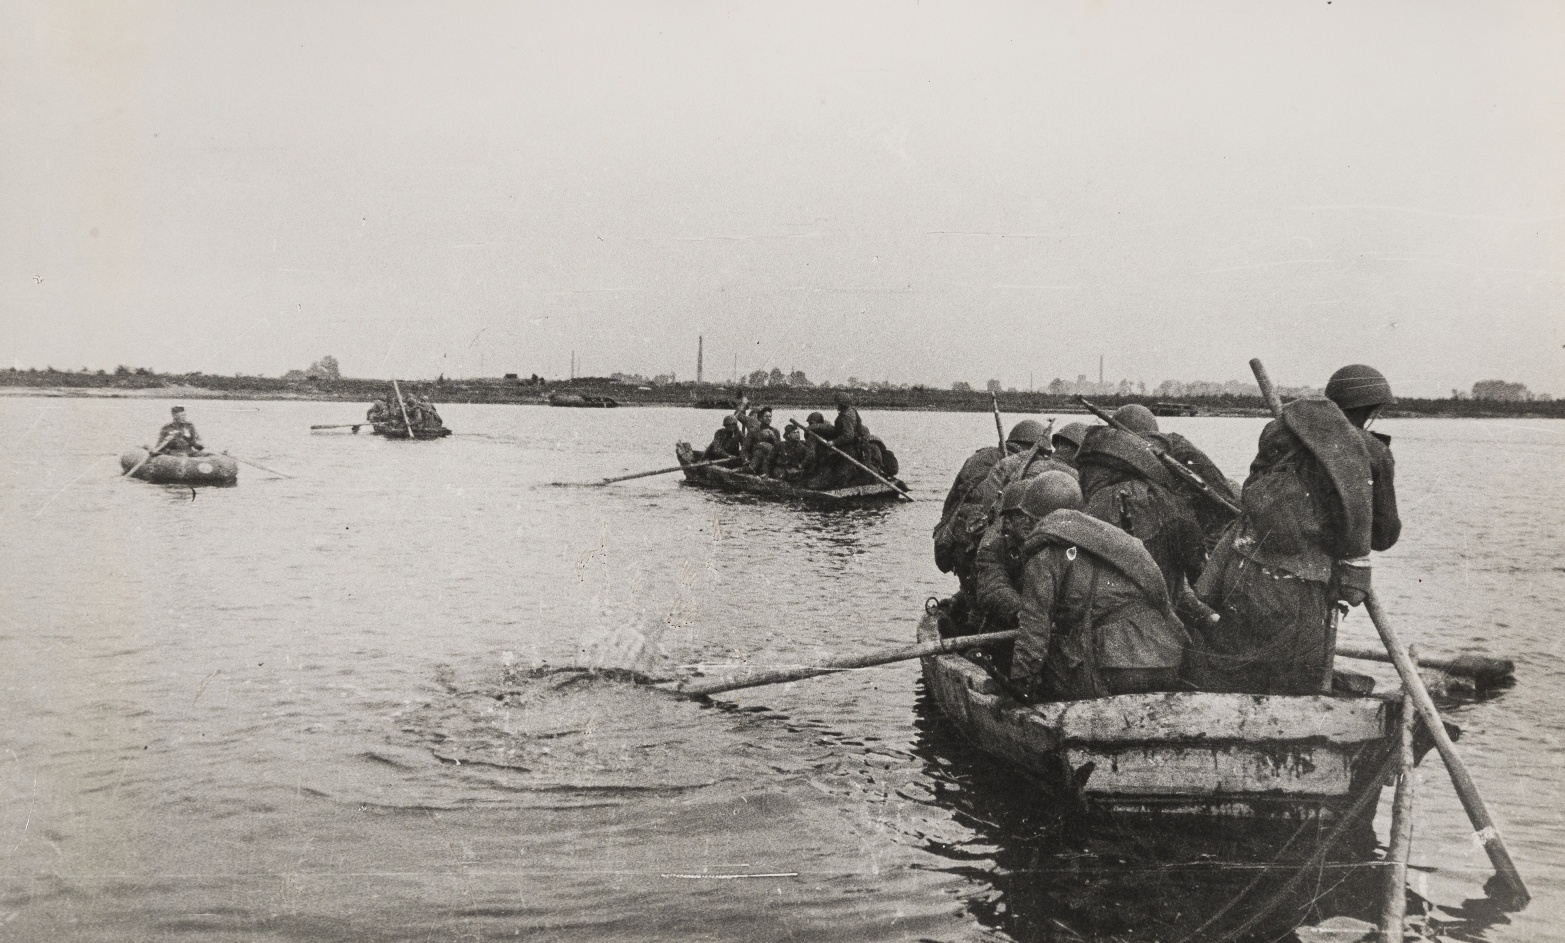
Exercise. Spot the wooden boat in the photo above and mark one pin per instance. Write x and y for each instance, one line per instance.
(399, 431)
(174, 469)
(1175, 409)
(726, 479)
(583, 401)
(1236, 756)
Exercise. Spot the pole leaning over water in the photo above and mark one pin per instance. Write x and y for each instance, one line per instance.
(137, 467)
(882, 657)
(1466, 789)
(408, 423)
(660, 471)
(999, 427)
(872, 472)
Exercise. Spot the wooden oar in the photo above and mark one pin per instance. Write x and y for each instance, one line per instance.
(806, 430)
(403, 406)
(882, 657)
(272, 471)
(660, 471)
(346, 425)
(137, 467)
(1483, 668)
(1466, 789)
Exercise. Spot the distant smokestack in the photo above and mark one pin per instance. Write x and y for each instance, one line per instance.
(700, 355)
(1100, 369)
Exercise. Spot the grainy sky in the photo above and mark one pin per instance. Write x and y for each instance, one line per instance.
(906, 191)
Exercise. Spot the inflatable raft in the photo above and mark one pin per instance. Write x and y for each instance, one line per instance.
(207, 469)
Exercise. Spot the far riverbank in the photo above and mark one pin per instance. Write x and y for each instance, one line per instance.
(199, 386)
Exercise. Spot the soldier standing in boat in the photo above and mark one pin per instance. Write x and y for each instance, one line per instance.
(727, 442)
(178, 436)
(1319, 498)
(1095, 617)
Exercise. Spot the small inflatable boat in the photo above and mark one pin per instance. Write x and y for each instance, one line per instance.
(204, 469)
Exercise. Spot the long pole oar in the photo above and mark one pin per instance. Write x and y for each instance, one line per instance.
(873, 474)
(137, 467)
(403, 406)
(346, 425)
(660, 471)
(272, 471)
(1466, 789)
(882, 657)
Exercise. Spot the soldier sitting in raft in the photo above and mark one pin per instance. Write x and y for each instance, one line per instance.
(378, 412)
(178, 436)
(761, 442)
(1095, 617)
(1319, 498)
(788, 462)
(726, 443)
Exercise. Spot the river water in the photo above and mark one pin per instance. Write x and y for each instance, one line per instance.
(347, 705)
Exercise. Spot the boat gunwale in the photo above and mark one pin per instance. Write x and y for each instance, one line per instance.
(736, 482)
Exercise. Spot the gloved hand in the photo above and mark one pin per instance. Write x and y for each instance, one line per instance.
(1353, 581)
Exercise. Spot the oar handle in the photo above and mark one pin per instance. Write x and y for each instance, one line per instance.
(999, 427)
(1466, 789)
(873, 474)
(883, 657)
(1484, 668)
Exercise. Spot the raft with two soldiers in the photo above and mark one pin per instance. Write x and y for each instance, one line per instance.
(837, 464)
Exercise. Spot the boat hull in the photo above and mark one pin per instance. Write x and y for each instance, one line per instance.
(1177, 754)
(401, 432)
(181, 469)
(723, 479)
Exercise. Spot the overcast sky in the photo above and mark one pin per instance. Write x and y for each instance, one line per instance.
(920, 192)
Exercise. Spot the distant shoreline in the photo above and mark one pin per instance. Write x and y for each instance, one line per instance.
(711, 396)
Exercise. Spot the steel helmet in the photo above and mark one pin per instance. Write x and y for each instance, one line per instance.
(1028, 432)
(1049, 492)
(1358, 385)
(1137, 418)
(843, 399)
(814, 418)
(1072, 433)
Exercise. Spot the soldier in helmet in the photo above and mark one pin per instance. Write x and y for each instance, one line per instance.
(1095, 617)
(1212, 516)
(789, 460)
(1321, 495)
(975, 491)
(1125, 484)
(178, 436)
(1066, 441)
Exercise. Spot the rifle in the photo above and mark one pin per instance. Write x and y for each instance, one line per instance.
(999, 427)
(1180, 469)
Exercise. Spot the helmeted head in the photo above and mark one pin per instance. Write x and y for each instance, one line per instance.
(792, 432)
(178, 412)
(1137, 418)
(1358, 385)
(1072, 435)
(814, 418)
(1028, 433)
(1025, 503)
(843, 399)
(729, 422)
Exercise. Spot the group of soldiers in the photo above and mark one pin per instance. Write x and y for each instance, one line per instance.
(819, 455)
(1125, 574)
(421, 413)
